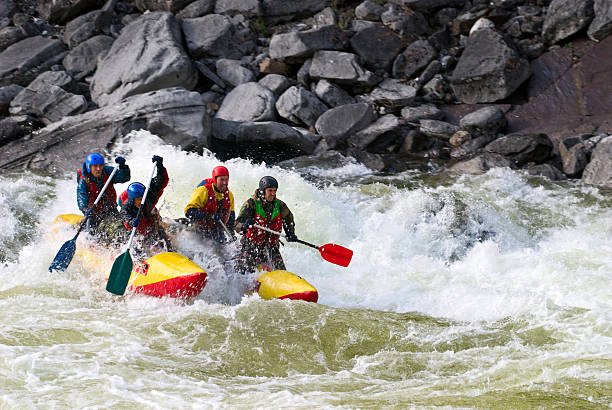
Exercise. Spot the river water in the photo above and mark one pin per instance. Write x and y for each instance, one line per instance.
(489, 291)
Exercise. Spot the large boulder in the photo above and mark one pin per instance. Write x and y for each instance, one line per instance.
(23, 61)
(287, 10)
(566, 17)
(62, 11)
(300, 106)
(147, 56)
(490, 69)
(340, 122)
(297, 46)
(176, 115)
(601, 26)
(341, 67)
(377, 46)
(83, 59)
(260, 106)
(599, 170)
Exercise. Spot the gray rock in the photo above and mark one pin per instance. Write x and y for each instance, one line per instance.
(377, 46)
(369, 10)
(566, 17)
(406, 22)
(300, 106)
(343, 68)
(87, 26)
(337, 123)
(47, 102)
(62, 11)
(437, 129)
(285, 10)
(363, 138)
(276, 82)
(545, 170)
(392, 94)
(485, 121)
(260, 107)
(422, 112)
(601, 26)
(416, 57)
(489, 69)
(83, 59)
(23, 61)
(267, 132)
(233, 72)
(325, 17)
(210, 35)
(297, 46)
(7, 93)
(246, 8)
(522, 148)
(599, 169)
(15, 127)
(428, 5)
(172, 6)
(332, 94)
(9, 36)
(481, 164)
(198, 8)
(147, 56)
(209, 74)
(175, 114)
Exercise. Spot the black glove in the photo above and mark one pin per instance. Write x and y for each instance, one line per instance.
(246, 225)
(120, 161)
(195, 214)
(159, 160)
(89, 212)
(291, 237)
(136, 222)
(216, 217)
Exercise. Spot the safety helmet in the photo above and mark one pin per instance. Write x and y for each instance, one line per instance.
(93, 159)
(267, 182)
(135, 190)
(218, 171)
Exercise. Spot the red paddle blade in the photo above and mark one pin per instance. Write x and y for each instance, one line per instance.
(336, 254)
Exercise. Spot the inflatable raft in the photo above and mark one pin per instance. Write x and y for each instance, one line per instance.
(173, 275)
(167, 274)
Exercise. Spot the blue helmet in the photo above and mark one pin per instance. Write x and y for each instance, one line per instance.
(135, 190)
(93, 159)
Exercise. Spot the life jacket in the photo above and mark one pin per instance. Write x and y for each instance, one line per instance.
(145, 220)
(107, 200)
(275, 223)
(212, 205)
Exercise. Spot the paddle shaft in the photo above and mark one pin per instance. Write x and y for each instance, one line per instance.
(108, 181)
(142, 204)
(263, 228)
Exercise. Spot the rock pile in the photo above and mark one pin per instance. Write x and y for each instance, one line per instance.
(397, 84)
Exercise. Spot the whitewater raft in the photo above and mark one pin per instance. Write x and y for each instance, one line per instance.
(170, 274)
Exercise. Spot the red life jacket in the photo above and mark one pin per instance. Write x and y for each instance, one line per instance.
(212, 205)
(145, 220)
(107, 200)
(275, 223)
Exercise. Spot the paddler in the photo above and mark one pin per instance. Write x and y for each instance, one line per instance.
(260, 247)
(149, 224)
(211, 207)
(91, 179)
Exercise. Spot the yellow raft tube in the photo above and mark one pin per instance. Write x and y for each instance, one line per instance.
(174, 275)
(166, 274)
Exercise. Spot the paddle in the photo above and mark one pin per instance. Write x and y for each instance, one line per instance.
(330, 252)
(66, 253)
(230, 237)
(122, 267)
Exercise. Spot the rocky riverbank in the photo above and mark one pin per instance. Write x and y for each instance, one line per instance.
(458, 85)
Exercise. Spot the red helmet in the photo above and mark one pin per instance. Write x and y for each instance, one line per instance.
(219, 171)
